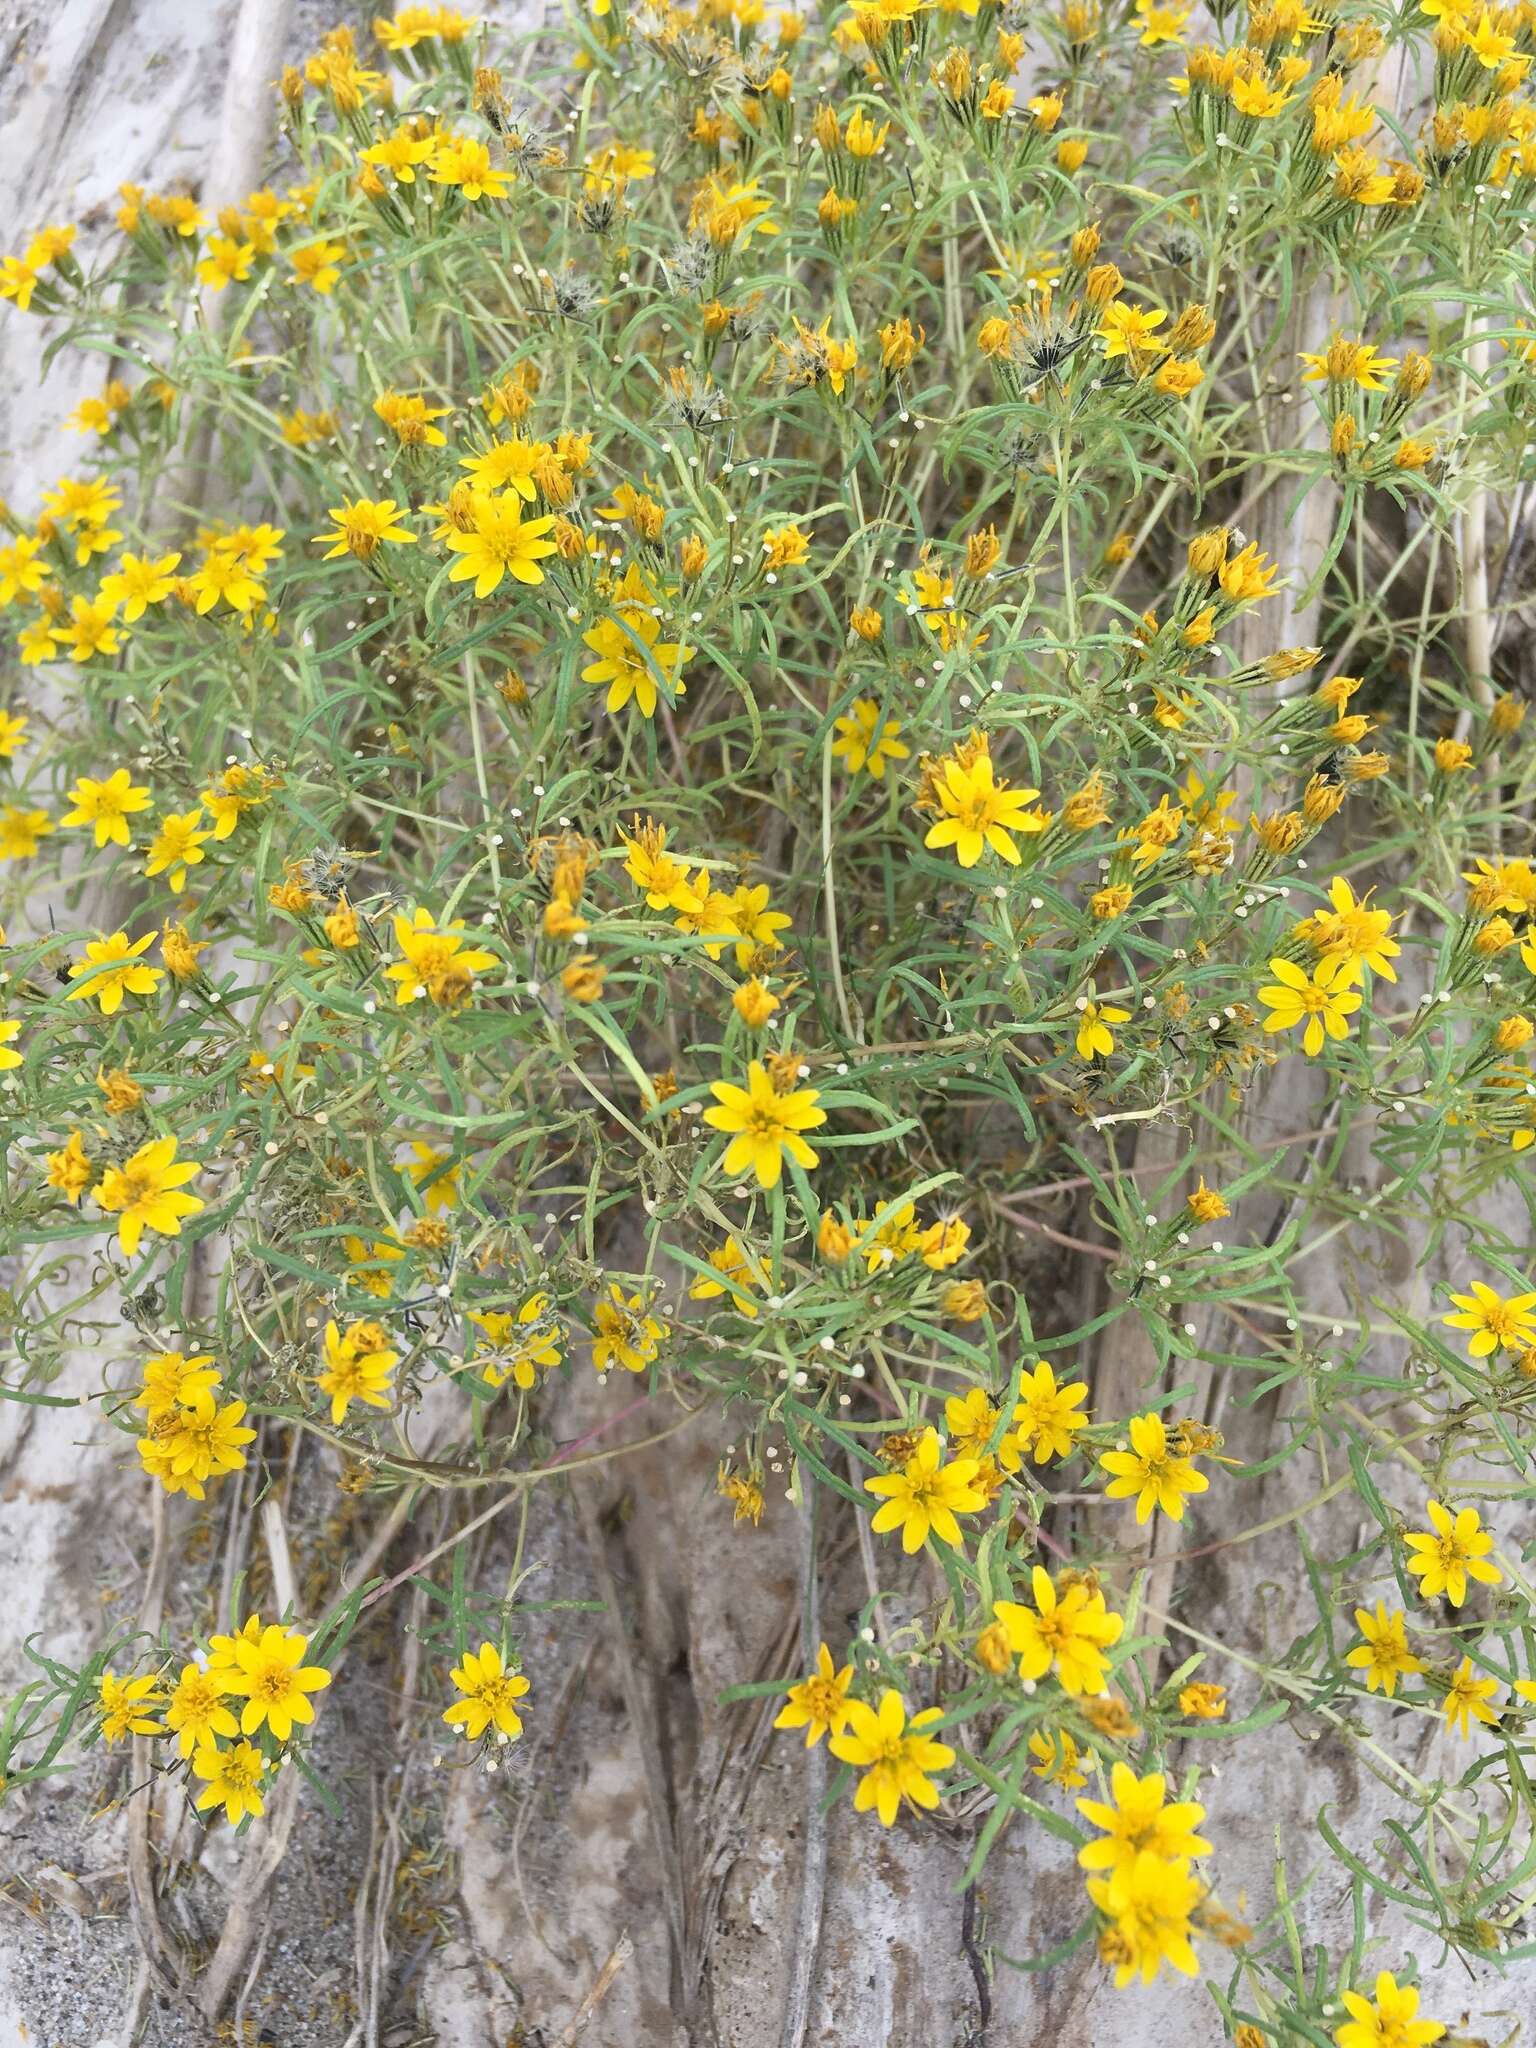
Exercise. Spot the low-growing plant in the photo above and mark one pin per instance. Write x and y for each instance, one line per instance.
(663, 649)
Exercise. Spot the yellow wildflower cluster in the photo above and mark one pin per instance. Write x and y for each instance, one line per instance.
(771, 769)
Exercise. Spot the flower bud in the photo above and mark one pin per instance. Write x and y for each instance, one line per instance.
(834, 1240)
(1207, 552)
(1321, 800)
(754, 1004)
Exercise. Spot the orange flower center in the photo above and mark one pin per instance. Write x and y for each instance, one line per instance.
(822, 1698)
(272, 1684)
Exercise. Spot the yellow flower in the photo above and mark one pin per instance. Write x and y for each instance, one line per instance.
(258, 547)
(1148, 1904)
(357, 1368)
(1467, 1699)
(400, 153)
(895, 1756)
(177, 846)
(979, 811)
(785, 546)
(1066, 1632)
(926, 1495)
(1496, 1322)
(233, 1780)
(630, 651)
(225, 576)
(113, 968)
(819, 1704)
(764, 1125)
(729, 212)
(125, 1705)
(440, 1188)
(107, 806)
(1130, 331)
(465, 163)
(317, 265)
(437, 961)
(1048, 1417)
(138, 582)
(834, 1240)
(194, 1441)
(144, 1193)
(754, 1003)
(1348, 362)
(1387, 2021)
(897, 1236)
(1262, 101)
(1140, 1822)
(23, 568)
(522, 1345)
(179, 951)
(22, 831)
(79, 506)
(970, 1419)
(743, 1491)
(613, 166)
(1157, 831)
(1322, 1000)
(661, 880)
(340, 926)
(370, 1264)
(1384, 1655)
(1452, 1551)
(500, 542)
(172, 1380)
(9, 1060)
(1058, 1759)
(18, 281)
(626, 1334)
(410, 418)
(227, 262)
(267, 1671)
(1151, 1471)
(900, 344)
(71, 1170)
(1094, 1038)
(1413, 455)
(736, 1274)
(196, 1713)
(867, 739)
(862, 137)
(1160, 24)
(1177, 379)
(757, 925)
(1492, 48)
(1206, 1205)
(1202, 1702)
(943, 1244)
(36, 643)
(489, 1695)
(582, 977)
(361, 525)
(1351, 931)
